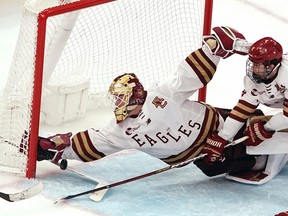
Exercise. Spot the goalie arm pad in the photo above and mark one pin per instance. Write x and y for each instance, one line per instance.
(225, 41)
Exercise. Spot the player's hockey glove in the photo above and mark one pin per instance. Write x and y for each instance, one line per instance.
(51, 148)
(282, 214)
(225, 41)
(214, 148)
(257, 133)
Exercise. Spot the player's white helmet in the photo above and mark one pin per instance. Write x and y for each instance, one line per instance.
(265, 56)
(127, 92)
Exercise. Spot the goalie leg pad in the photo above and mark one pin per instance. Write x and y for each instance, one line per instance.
(275, 164)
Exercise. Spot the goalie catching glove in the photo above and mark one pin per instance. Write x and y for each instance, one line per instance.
(225, 41)
(257, 133)
(51, 148)
(214, 148)
(282, 214)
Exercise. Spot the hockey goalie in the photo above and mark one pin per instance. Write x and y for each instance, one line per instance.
(165, 123)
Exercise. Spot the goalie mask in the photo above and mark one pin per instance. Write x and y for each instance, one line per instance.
(265, 57)
(127, 93)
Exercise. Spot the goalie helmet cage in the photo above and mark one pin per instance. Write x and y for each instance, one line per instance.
(98, 39)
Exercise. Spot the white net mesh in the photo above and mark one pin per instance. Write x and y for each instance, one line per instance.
(125, 36)
(149, 38)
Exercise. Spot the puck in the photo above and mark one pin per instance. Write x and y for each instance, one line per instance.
(63, 164)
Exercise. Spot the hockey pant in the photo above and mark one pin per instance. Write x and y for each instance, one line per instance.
(236, 160)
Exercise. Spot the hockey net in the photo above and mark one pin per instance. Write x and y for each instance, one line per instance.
(94, 41)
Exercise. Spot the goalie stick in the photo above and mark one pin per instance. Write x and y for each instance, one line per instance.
(97, 195)
(164, 169)
(22, 195)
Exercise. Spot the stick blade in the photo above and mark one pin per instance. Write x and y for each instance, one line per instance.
(25, 194)
(97, 196)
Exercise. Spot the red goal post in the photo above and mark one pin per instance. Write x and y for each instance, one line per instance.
(99, 39)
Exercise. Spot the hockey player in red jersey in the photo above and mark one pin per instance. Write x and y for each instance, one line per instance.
(161, 121)
(266, 83)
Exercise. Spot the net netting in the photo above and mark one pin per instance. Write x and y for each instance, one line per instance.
(149, 38)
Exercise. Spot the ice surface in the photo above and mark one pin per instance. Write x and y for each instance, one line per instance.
(184, 191)
(179, 191)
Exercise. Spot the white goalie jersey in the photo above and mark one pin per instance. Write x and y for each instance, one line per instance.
(170, 126)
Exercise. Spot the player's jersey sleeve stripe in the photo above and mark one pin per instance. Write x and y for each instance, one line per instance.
(84, 148)
(242, 111)
(210, 123)
(201, 65)
(285, 107)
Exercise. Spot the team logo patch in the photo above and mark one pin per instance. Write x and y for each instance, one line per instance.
(159, 102)
(130, 130)
(254, 92)
(280, 88)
